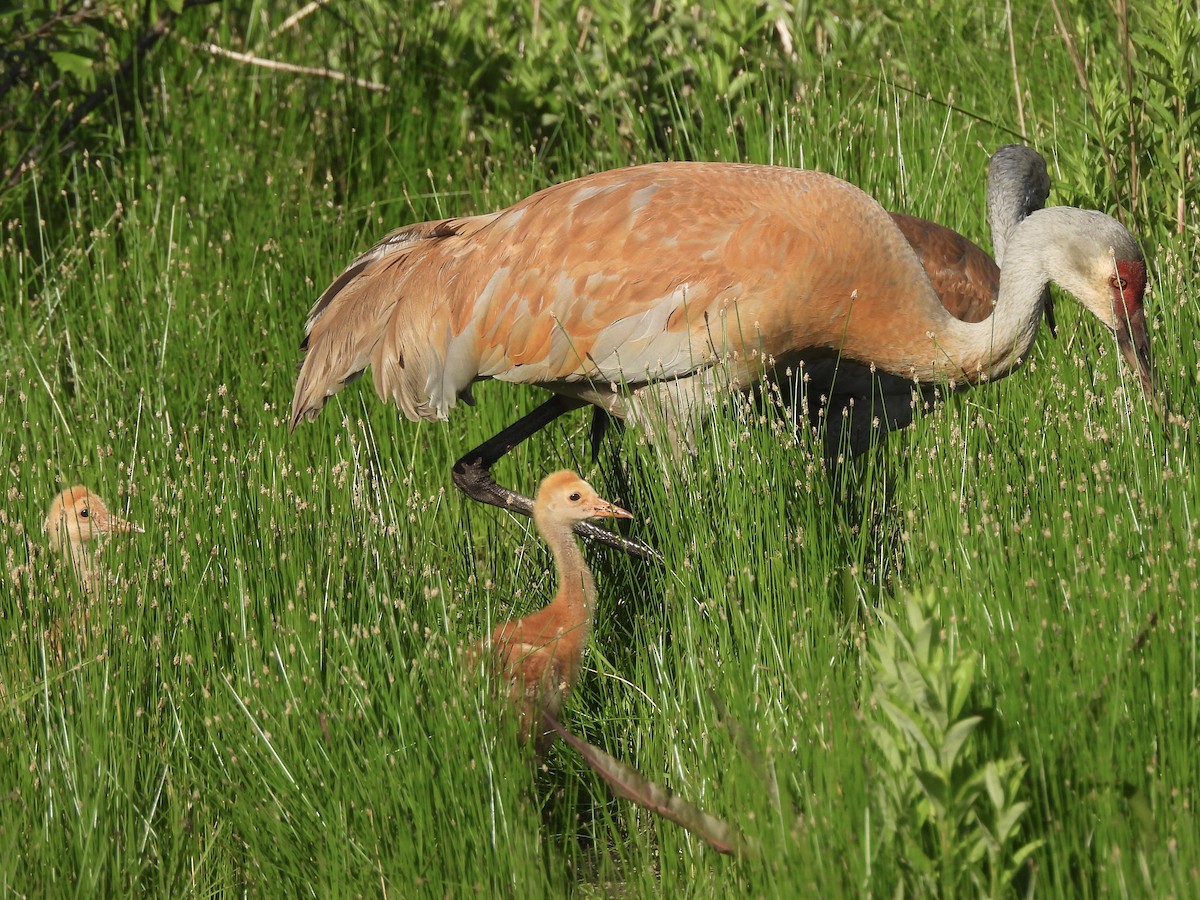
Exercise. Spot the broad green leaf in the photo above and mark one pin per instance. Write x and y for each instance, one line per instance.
(955, 737)
(908, 724)
(1006, 826)
(995, 789)
(1025, 852)
(75, 63)
(936, 790)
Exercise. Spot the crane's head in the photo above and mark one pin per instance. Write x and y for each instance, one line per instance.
(565, 497)
(78, 517)
(1101, 264)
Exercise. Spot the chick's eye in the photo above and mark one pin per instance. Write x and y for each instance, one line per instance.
(574, 498)
(84, 513)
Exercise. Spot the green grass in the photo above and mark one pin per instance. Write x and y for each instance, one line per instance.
(267, 695)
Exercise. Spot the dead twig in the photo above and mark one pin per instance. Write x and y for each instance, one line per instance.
(276, 66)
(303, 13)
(1125, 38)
(1012, 57)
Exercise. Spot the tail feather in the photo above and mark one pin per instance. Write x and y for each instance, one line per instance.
(357, 314)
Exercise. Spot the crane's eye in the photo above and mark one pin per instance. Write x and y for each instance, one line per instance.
(574, 498)
(84, 513)
(1117, 282)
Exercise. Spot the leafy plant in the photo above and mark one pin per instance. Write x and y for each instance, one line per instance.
(1168, 62)
(950, 816)
(533, 67)
(62, 62)
(1140, 78)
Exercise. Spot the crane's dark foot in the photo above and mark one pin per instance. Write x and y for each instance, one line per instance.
(472, 476)
(475, 480)
(631, 546)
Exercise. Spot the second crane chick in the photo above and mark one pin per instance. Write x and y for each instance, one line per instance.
(75, 526)
(539, 656)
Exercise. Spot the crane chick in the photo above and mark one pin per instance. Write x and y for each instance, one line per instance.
(75, 526)
(539, 656)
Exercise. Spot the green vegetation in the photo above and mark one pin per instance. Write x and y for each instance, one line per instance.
(953, 819)
(267, 696)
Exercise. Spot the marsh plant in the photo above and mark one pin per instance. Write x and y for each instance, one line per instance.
(950, 813)
(1142, 115)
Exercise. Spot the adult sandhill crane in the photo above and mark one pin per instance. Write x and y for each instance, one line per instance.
(639, 290)
(539, 655)
(967, 282)
(75, 525)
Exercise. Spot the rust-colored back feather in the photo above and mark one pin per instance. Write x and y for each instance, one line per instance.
(966, 279)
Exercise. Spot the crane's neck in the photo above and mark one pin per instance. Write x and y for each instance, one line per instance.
(83, 557)
(1017, 186)
(1004, 211)
(994, 347)
(576, 597)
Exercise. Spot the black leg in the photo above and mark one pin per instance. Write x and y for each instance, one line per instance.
(472, 474)
(1048, 307)
(601, 422)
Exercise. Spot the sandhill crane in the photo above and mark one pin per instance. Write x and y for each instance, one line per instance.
(75, 525)
(539, 655)
(639, 290)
